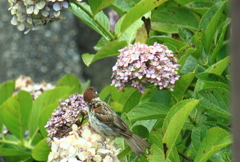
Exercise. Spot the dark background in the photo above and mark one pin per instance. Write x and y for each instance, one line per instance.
(50, 53)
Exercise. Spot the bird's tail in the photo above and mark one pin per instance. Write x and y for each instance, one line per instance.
(137, 144)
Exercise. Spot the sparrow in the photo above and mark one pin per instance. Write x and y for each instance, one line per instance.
(107, 123)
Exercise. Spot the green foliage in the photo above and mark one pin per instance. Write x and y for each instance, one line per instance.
(190, 123)
(19, 113)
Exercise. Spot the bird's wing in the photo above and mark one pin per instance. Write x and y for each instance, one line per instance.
(111, 119)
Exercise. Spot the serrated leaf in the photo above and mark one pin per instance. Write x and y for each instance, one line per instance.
(220, 41)
(6, 90)
(98, 5)
(110, 49)
(132, 101)
(197, 135)
(210, 21)
(169, 19)
(182, 85)
(41, 151)
(15, 113)
(216, 68)
(147, 111)
(174, 122)
(71, 81)
(215, 139)
(83, 12)
(46, 98)
(216, 99)
(138, 11)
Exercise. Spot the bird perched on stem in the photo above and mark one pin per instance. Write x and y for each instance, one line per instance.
(107, 123)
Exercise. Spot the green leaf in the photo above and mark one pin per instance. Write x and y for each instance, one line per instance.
(149, 124)
(215, 139)
(110, 49)
(71, 81)
(199, 7)
(216, 99)
(156, 154)
(6, 90)
(45, 116)
(197, 42)
(210, 77)
(182, 85)
(210, 21)
(124, 152)
(198, 134)
(162, 39)
(15, 113)
(220, 41)
(185, 34)
(98, 5)
(174, 122)
(183, 54)
(147, 111)
(41, 151)
(13, 150)
(129, 34)
(192, 65)
(138, 11)
(174, 156)
(169, 19)
(21, 158)
(101, 42)
(83, 12)
(155, 137)
(37, 138)
(118, 98)
(216, 68)
(123, 6)
(132, 101)
(46, 98)
(140, 130)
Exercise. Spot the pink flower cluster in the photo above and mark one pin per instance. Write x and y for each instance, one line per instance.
(139, 65)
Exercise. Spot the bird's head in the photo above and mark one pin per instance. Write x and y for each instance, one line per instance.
(90, 95)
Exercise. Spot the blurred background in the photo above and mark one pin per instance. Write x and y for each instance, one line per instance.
(49, 53)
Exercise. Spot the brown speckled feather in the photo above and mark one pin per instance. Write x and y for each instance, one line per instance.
(111, 120)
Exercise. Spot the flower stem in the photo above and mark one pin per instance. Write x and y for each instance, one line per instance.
(96, 20)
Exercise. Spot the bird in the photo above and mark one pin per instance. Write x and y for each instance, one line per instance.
(107, 123)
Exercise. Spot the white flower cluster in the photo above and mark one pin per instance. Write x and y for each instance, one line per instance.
(82, 144)
(25, 83)
(32, 14)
